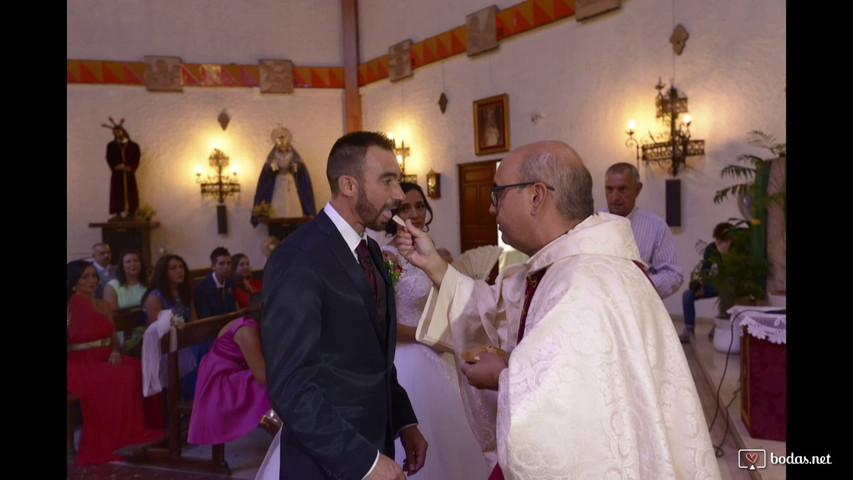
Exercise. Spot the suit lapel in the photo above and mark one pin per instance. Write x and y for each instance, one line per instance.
(350, 265)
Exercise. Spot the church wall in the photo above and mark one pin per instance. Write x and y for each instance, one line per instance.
(587, 79)
(176, 130)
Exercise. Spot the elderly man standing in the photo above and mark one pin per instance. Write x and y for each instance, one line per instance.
(595, 383)
(622, 185)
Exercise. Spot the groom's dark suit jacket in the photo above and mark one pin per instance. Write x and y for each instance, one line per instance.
(329, 375)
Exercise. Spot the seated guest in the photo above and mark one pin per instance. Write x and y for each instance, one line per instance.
(699, 289)
(215, 294)
(131, 280)
(231, 393)
(101, 256)
(108, 384)
(245, 284)
(170, 288)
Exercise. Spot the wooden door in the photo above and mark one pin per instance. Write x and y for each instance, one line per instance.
(477, 226)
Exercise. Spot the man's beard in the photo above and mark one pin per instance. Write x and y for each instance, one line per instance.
(369, 216)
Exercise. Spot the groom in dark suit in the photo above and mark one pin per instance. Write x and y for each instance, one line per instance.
(329, 329)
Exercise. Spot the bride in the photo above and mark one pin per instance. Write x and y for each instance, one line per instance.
(428, 376)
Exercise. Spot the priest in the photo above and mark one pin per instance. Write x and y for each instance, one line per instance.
(594, 382)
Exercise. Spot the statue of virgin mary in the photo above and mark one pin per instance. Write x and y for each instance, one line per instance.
(284, 182)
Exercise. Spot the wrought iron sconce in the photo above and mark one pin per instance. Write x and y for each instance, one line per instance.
(433, 184)
(402, 152)
(219, 186)
(675, 149)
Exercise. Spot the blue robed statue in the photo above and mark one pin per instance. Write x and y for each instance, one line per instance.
(284, 182)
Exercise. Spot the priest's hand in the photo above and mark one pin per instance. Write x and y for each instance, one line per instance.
(486, 373)
(419, 249)
(416, 447)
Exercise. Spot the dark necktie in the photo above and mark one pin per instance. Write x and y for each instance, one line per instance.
(532, 283)
(222, 294)
(367, 266)
(370, 272)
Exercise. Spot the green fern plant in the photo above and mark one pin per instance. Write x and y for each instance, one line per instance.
(747, 173)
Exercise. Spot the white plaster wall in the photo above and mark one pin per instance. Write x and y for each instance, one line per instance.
(588, 79)
(383, 23)
(308, 32)
(176, 131)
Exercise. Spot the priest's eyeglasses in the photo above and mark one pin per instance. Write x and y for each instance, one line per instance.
(496, 190)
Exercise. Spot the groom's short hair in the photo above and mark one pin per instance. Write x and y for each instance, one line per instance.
(347, 155)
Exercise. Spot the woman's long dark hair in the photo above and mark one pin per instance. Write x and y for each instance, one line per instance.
(160, 281)
(121, 276)
(391, 227)
(73, 271)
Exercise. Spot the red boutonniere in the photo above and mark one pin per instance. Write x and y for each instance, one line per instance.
(393, 268)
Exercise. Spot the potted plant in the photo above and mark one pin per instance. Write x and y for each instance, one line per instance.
(742, 273)
(737, 275)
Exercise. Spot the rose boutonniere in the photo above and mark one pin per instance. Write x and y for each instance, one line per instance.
(393, 268)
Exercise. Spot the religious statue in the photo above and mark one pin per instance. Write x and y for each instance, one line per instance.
(284, 182)
(123, 160)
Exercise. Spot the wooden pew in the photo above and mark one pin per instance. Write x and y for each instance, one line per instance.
(198, 274)
(126, 320)
(169, 455)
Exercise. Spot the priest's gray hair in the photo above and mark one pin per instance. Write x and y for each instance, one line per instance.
(563, 169)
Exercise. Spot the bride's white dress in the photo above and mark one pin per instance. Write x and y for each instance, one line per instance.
(431, 381)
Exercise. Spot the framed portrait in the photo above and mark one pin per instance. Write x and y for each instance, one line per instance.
(491, 125)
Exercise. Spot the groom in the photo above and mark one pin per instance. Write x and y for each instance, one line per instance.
(329, 329)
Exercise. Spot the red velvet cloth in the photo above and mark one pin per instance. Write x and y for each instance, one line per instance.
(114, 414)
(764, 388)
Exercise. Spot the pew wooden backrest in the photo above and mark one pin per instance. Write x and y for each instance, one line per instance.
(126, 320)
(193, 333)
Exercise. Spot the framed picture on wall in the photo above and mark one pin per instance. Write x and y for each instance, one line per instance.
(491, 125)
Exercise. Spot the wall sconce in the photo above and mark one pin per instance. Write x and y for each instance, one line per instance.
(433, 184)
(675, 149)
(402, 152)
(219, 186)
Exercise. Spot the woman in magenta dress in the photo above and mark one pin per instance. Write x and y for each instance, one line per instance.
(231, 391)
(108, 383)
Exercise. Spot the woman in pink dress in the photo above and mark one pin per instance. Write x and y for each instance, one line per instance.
(231, 392)
(108, 383)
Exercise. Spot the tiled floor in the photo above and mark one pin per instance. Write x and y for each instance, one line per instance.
(244, 456)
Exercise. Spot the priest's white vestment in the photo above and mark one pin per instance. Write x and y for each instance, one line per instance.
(599, 387)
